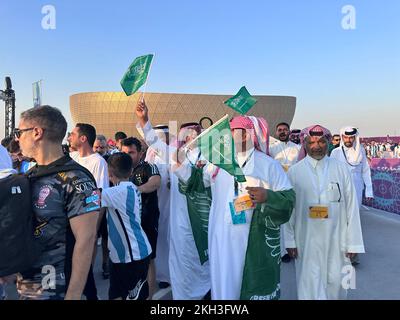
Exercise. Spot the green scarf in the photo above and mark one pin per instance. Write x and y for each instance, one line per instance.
(198, 202)
(261, 274)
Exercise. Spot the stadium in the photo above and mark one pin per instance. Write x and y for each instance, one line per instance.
(114, 111)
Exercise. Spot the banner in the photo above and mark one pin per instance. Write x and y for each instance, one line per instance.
(385, 174)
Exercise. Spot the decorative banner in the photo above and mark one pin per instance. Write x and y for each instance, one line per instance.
(242, 101)
(137, 74)
(37, 93)
(385, 175)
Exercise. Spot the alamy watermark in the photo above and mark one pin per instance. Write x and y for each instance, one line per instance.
(349, 18)
(49, 19)
(49, 280)
(349, 278)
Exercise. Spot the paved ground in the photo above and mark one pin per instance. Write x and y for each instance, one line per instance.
(377, 276)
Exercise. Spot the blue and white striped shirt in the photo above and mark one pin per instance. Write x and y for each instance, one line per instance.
(127, 241)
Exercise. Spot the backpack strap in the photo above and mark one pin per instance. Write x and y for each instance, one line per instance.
(33, 174)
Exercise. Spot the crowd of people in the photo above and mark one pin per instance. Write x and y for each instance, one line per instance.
(167, 216)
(386, 150)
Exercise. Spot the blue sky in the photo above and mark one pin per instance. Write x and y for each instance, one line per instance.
(274, 47)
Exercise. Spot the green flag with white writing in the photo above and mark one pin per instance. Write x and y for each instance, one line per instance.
(242, 101)
(136, 75)
(217, 146)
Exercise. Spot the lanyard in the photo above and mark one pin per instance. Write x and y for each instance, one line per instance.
(236, 183)
(321, 182)
(344, 155)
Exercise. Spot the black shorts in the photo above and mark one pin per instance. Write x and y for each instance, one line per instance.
(152, 235)
(103, 232)
(128, 280)
(150, 228)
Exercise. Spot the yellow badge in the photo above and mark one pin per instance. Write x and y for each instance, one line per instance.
(318, 212)
(243, 203)
(285, 167)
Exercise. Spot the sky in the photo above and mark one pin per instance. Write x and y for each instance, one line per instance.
(296, 48)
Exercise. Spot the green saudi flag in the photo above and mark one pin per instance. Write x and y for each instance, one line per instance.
(217, 146)
(136, 75)
(242, 101)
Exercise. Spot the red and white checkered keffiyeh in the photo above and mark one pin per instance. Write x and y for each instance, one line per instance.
(315, 130)
(258, 128)
(184, 133)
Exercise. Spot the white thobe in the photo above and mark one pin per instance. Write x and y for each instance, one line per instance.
(361, 172)
(189, 279)
(286, 153)
(163, 239)
(323, 243)
(227, 242)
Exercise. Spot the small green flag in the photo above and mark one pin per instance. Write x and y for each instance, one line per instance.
(217, 146)
(137, 74)
(242, 101)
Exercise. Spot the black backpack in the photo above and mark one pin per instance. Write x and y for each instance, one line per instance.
(18, 250)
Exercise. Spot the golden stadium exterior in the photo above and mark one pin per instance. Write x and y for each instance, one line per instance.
(110, 112)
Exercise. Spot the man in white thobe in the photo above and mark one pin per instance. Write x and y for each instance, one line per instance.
(352, 153)
(286, 152)
(163, 194)
(233, 273)
(190, 280)
(324, 231)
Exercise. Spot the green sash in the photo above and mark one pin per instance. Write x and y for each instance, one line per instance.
(198, 202)
(261, 274)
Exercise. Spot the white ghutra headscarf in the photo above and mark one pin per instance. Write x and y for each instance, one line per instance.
(353, 154)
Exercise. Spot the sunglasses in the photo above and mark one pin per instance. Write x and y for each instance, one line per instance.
(18, 132)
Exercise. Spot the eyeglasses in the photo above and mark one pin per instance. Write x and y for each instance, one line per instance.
(17, 132)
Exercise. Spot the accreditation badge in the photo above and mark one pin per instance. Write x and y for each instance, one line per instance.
(318, 211)
(243, 203)
(238, 208)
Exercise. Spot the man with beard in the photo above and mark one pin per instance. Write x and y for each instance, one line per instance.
(190, 280)
(353, 154)
(295, 136)
(324, 231)
(244, 242)
(286, 152)
(65, 205)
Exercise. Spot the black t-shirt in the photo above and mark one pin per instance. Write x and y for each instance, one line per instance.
(56, 199)
(141, 175)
